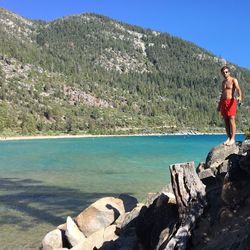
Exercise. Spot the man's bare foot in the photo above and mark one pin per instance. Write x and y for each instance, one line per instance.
(227, 141)
(231, 142)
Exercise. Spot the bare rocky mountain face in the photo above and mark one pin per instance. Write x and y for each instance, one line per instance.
(203, 208)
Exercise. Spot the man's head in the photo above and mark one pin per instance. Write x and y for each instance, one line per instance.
(225, 71)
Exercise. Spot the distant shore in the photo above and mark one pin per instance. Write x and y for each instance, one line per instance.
(37, 137)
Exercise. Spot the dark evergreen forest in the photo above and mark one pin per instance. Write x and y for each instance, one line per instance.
(91, 74)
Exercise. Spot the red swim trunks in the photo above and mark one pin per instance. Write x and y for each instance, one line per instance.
(228, 107)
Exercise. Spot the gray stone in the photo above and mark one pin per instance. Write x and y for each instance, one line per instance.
(206, 173)
(128, 217)
(223, 167)
(219, 154)
(245, 146)
(201, 167)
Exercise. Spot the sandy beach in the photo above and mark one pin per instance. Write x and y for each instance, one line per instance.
(68, 136)
(37, 137)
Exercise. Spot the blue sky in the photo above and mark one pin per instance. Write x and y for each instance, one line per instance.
(222, 27)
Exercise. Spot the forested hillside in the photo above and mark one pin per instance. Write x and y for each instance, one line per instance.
(91, 74)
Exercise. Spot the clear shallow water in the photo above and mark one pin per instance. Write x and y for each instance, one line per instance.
(43, 181)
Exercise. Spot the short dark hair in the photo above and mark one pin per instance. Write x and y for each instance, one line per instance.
(223, 68)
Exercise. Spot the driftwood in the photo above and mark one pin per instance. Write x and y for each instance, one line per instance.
(190, 198)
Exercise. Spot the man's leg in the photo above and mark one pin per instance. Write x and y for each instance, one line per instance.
(228, 130)
(232, 130)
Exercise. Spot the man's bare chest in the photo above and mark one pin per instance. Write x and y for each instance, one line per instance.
(228, 84)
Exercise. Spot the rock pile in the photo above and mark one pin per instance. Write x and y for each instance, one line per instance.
(204, 208)
(225, 224)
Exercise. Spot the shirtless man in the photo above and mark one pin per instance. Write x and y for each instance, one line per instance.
(227, 104)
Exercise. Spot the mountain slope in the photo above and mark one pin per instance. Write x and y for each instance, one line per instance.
(91, 74)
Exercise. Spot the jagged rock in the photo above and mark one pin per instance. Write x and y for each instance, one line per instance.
(199, 234)
(74, 235)
(236, 186)
(126, 218)
(227, 209)
(245, 163)
(223, 167)
(225, 215)
(52, 240)
(232, 231)
(219, 154)
(245, 146)
(166, 197)
(141, 227)
(228, 239)
(200, 167)
(165, 191)
(100, 214)
(78, 96)
(206, 173)
(157, 218)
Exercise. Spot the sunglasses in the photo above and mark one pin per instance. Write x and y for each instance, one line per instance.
(225, 72)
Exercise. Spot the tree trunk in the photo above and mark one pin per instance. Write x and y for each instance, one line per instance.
(190, 198)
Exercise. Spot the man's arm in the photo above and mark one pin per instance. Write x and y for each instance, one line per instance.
(238, 90)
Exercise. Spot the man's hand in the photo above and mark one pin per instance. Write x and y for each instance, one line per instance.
(239, 100)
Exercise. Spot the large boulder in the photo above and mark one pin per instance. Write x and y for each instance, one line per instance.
(100, 214)
(219, 154)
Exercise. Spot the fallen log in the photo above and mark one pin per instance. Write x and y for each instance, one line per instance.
(191, 201)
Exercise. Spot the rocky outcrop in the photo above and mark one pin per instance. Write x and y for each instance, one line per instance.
(226, 221)
(92, 227)
(78, 96)
(204, 209)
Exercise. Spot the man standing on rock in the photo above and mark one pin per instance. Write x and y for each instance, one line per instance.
(227, 104)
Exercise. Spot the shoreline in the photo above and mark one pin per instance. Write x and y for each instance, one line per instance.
(38, 137)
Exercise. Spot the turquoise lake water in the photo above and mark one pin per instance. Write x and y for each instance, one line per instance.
(44, 181)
